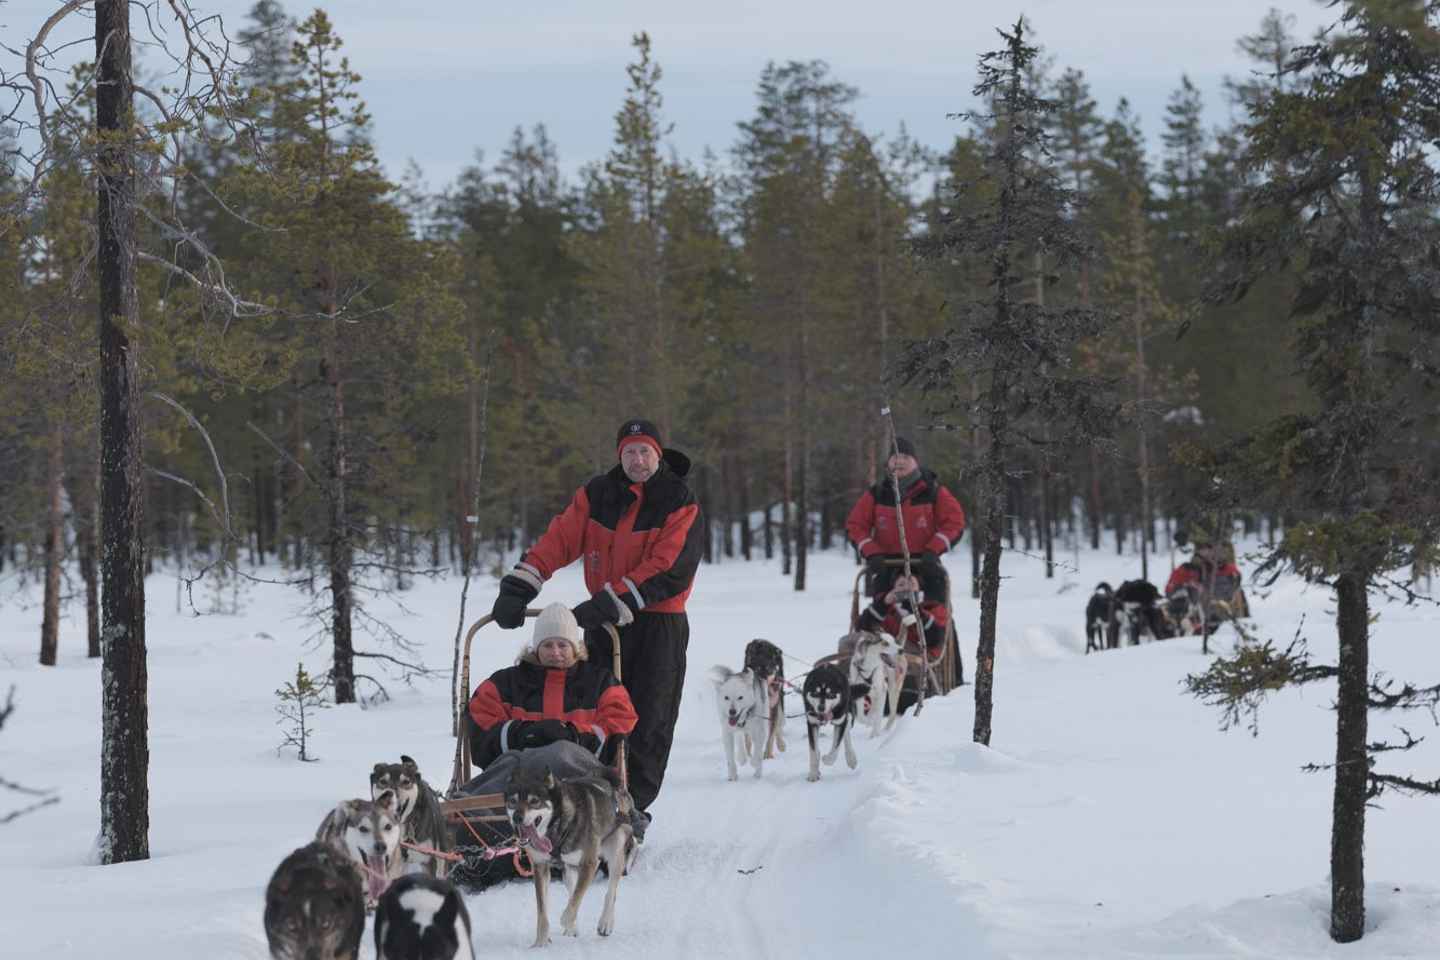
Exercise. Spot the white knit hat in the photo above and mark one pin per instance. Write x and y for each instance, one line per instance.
(556, 620)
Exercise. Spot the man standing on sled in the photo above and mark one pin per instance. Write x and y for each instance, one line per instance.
(639, 531)
(934, 522)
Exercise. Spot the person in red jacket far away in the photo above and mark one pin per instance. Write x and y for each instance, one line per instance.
(638, 530)
(934, 522)
(1213, 573)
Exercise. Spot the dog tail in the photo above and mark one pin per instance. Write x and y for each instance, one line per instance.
(1105, 589)
(859, 690)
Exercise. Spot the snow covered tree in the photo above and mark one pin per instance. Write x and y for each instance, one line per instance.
(299, 700)
(1018, 352)
(1345, 189)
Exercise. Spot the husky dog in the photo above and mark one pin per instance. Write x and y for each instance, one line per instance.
(367, 833)
(766, 661)
(877, 673)
(314, 906)
(1138, 612)
(828, 700)
(743, 700)
(1100, 629)
(417, 809)
(422, 918)
(575, 823)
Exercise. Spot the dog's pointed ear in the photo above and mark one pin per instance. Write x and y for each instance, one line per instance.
(410, 766)
(378, 771)
(719, 674)
(549, 779)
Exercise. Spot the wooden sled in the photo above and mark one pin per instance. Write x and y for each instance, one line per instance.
(490, 807)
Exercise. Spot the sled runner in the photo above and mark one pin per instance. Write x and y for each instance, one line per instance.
(483, 833)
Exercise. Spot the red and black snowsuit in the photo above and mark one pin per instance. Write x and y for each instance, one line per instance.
(1197, 573)
(586, 697)
(642, 543)
(934, 522)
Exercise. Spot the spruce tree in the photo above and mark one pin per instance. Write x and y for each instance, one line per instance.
(1018, 351)
(1343, 188)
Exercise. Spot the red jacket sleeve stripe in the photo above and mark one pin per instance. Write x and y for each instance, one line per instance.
(860, 524)
(949, 522)
(561, 542)
(487, 709)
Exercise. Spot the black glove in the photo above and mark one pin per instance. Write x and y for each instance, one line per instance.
(515, 596)
(538, 733)
(597, 611)
(930, 560)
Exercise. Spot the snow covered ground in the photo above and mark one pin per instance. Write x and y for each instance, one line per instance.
(1111, 818)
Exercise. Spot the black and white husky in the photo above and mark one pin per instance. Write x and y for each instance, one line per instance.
(417, 807)
(743, 701)
(367, 833)
(1101, 631)
(422, 918)
(314, 906)
(829, 701)
(877, 674)
(575, 823)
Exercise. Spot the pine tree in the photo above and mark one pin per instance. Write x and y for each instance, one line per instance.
(1019, 352)
(1352, 209)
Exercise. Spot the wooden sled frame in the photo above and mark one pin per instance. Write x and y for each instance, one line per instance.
(490, 807)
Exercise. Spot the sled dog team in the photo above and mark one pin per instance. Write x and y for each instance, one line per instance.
(751, 703)
(389, 855)
(316, 901)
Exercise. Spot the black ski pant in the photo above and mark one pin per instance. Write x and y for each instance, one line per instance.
(652, 664)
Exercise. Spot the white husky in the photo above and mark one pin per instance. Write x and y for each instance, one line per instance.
(743, 700)
(878, 665)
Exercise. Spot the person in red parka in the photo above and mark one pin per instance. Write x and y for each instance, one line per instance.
(554, 692)
(1210, 569)
(639, 532)
(934, 522)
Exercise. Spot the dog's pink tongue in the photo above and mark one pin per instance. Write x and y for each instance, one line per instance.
(376, 883)
(531, 838)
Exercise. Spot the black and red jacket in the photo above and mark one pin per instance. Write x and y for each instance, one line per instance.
(587, 696)
(641, 541)
(934, 519)
(1192, 572)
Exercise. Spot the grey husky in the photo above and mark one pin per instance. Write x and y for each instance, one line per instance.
(314, 906)
(418, 810)
(368, 834)
(422, 918)
(576, 823)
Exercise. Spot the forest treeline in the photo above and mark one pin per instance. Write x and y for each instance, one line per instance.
(377, 365)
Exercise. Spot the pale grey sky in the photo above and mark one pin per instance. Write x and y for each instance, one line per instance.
(444, 78)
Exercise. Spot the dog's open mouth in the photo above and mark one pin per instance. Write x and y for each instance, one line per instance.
(531, 837)
(733, 719)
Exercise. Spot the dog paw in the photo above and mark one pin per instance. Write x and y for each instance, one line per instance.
(570, 931)
(828, 759)
(540, 943)
(852, 762)
(732, 776)
(757, 773)
(813, 776)
(606, 927)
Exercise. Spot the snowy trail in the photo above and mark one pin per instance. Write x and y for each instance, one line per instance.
(1111, 819)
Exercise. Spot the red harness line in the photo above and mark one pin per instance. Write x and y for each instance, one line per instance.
(487, 852)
